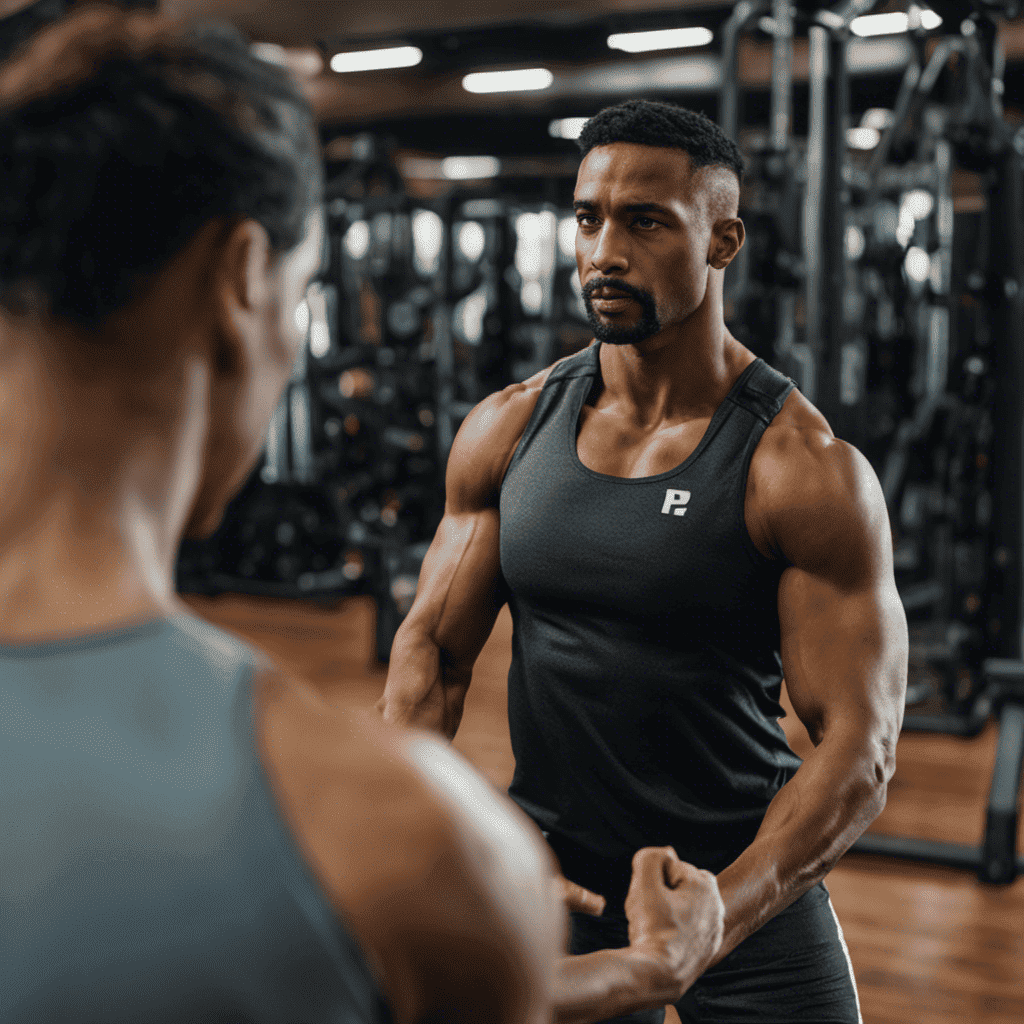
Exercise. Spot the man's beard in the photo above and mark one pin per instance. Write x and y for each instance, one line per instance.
(646, 327)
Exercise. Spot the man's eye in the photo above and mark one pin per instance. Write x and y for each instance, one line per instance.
(645, 222)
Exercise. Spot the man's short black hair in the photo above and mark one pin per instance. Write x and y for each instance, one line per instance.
(650, 123)
(120, 137)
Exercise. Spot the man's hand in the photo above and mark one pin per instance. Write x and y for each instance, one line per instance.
(578, 900)
(675, 915)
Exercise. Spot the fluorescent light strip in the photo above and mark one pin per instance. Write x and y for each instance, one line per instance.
(270, 52)
(662, 39)
(567, 128)
(891, 24)
(377, 60)
(526, 80)
(469, 168)
(305, 62)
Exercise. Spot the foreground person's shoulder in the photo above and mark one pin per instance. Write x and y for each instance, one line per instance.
(438, 882)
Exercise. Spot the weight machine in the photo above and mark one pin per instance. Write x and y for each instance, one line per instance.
(981, 140)
(902, 321)
(952, 466)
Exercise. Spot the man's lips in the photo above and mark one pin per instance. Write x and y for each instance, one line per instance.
(605, 292)
(606, 301)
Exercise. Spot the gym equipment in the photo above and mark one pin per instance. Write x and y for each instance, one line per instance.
(900, 317)
(763, 282)
(960, 512)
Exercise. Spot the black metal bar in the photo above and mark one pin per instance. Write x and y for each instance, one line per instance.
(729, 96)
(444, 342)
(782, 75)
(999, 851)
(1006, 290)
(825, 204)
(948, 855)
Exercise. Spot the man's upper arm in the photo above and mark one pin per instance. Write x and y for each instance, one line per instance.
(844, 633)
(459, 593)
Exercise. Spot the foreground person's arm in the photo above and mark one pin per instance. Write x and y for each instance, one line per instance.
(448, 894)
(844, 654)
(451, 891)
(675, 918)
(674, 910)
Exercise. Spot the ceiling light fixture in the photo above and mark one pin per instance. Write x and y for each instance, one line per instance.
(567, 127)
(661, 39)
(377, 60)
(892, 23)
(467, 168)
(526, 80)
(306, 63)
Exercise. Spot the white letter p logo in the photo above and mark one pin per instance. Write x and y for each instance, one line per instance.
(675, 502)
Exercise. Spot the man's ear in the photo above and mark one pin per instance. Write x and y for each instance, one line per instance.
(726, 241)
(243, 289)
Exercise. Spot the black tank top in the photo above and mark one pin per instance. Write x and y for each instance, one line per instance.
(645, 680)
(145, 871)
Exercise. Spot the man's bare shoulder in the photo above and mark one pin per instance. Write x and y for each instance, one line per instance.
(809, 488)
(488, 438)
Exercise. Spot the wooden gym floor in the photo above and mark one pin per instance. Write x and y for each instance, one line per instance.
(929, 945)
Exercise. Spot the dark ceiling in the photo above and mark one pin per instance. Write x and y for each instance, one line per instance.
(425, 108)
(299, 22)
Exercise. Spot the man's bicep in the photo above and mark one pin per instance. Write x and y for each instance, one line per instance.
(460, 589)
(843, 630)
(843, 653)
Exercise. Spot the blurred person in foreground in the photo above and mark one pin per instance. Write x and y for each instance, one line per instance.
(188, 834)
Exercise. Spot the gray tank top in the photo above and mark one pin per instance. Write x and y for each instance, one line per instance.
(146, 874)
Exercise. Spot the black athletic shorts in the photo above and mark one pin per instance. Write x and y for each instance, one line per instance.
(794, 970)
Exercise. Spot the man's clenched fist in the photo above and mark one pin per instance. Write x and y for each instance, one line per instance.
(675, 916)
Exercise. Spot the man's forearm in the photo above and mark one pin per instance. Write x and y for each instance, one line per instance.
(610, 983)
(423, 689)
(812, 821)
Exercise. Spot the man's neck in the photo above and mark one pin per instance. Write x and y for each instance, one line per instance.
(677, 375)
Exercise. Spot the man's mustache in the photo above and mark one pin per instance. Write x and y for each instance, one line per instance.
(614, 284)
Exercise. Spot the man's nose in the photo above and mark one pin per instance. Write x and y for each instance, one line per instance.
(610, 254)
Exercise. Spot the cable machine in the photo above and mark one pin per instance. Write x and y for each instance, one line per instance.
(903, 321)
(957, 453)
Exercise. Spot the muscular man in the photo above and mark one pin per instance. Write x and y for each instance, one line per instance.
(675, 528)
(187, 834)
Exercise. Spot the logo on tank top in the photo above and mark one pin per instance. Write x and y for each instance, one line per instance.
(675, 502)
